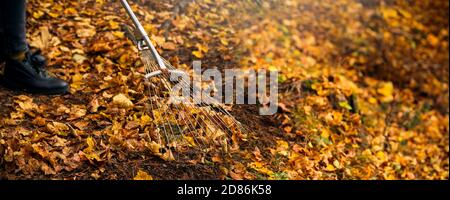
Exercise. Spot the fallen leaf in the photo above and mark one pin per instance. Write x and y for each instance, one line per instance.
(142, 175)
(58, 128)
(122, 101)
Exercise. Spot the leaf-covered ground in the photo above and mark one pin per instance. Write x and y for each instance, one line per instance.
(363, 90)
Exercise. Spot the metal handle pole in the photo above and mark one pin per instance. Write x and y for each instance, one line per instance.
(144, 34)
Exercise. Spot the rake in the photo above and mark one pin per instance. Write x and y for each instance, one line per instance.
(183, 123)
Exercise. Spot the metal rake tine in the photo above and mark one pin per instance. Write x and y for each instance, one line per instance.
(151, 101)
(219, 106)
(179, 107)
(151, 105)
(201, 144)
(212, 122)
(153, 91)
(177, 124)
(213, 117)
(204, 113)
(166, 133)
(193, 131)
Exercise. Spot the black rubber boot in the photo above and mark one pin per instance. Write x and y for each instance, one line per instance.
(30, 76)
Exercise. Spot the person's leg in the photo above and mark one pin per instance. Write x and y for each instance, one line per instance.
(24, 69)
(13, 16)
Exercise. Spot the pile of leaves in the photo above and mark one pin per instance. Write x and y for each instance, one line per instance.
(362, 94)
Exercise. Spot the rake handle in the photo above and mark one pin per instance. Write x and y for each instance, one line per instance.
(144, 34)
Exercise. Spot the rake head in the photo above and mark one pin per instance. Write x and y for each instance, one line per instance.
(184, 122)
(181, 122)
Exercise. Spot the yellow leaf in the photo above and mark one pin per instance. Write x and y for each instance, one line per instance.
(391, 16)
(70, 10)
(202, 48)
(197, 54)
(325, 133)
(77, 78)
(92, 156)
(381, 156)
(258, 166)
(118, 34)
(149, 28)
(157, 116)
(77, 82)
(372, 100)
(89, 152)
(141, 175)
(318, 88)
(38, 14)
(330, 168)
(273, 68)
(224, 41)
(91, 144)
(336, 164)
(386, 90)
(114, 25)
(282, 144)
(282, 147)
(389, 13)
(145, 120)
(54, 15)
(190, 140)
(405, 13)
